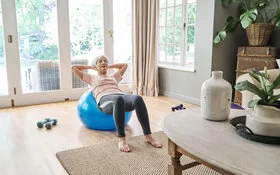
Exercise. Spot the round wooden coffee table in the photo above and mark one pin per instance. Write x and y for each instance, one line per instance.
(216, 145)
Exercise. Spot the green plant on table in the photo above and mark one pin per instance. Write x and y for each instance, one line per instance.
(265, 91)
(249, 11)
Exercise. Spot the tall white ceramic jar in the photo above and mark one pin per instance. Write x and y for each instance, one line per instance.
(216, 97)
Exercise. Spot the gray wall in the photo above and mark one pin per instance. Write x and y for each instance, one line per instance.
(186, 86)
(224, 55)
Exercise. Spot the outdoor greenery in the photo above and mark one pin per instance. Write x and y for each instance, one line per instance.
(38, 39)
(33, 18)
(177, 30)
(265, 92)
(191, 20)
(86, 29)
(250, 11)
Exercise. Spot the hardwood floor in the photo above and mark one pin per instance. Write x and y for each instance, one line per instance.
(26, 150)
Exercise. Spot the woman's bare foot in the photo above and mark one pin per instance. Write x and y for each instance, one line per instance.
(149, 139)
(123, 146)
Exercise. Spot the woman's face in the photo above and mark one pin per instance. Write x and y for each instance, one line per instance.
(102, 64)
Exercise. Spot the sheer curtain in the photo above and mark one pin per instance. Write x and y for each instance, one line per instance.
(145, 69)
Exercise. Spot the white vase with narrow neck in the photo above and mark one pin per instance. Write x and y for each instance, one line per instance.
(216, 97)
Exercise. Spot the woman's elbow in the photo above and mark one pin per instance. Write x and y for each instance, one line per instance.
(125, 66)
(73, 68)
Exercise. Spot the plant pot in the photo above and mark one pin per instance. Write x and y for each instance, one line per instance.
(278, 62)
(265, 120)
(258, 34)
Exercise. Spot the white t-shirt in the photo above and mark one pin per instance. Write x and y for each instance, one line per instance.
(103, 84)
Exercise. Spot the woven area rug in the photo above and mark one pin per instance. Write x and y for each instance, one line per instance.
(106, 159)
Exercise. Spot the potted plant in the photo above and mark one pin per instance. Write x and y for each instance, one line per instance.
(265, 118)
(258, 17)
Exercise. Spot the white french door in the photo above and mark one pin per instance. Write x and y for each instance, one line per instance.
(41, 39)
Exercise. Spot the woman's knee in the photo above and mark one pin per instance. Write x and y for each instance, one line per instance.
(138, 100)
(120, 101)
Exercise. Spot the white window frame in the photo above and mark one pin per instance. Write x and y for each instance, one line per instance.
(15, 97)
(182, 64)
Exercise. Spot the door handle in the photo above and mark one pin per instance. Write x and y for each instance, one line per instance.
(10, 39)
(111, 33)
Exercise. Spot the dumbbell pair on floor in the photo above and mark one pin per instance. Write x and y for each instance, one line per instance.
(179, 107)
(47, 122)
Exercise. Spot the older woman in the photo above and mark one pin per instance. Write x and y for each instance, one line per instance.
(111, 100)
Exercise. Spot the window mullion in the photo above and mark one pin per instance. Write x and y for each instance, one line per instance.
(165, 44)
(185, 11)
(108, 29)
(173, 44)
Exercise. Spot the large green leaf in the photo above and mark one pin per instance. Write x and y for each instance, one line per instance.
(230, 18)
(277, 18)
(277, 23)
(231, 24)
(252, 103)
(220, 36)
(261, 4)
(241, 8)
(248, 17)
(256, 75)
(246, 85)
(273, 99)
(266, 85)
(276, 82)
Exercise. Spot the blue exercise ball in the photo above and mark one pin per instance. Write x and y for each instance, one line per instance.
(92, 117)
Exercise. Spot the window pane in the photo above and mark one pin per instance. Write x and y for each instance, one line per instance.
(162, 4)
(169, 35)
(190, 34)
(178, 2)
(162, 17)
(177, 54)
(162, 53)
(170, 53)
(189, 54)
(162, 35)
(170, 16)
(86, 33)
(170, 3)
(178, 16)
(3, 70)
(191, 13)
(178, 35)
(38, 45)
(123, 43)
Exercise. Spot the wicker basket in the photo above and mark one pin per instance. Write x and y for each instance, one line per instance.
(258, 34)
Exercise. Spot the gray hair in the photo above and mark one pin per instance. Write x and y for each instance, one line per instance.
(94, 62)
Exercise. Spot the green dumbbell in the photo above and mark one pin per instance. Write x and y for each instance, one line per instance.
(41, 124)
(51, 123)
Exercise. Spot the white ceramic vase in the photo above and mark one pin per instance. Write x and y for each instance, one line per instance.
(265, 120)
(216, 97)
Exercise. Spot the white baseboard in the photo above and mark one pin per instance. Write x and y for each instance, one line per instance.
(180, 97)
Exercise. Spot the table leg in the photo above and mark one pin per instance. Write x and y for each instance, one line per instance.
(174, 167)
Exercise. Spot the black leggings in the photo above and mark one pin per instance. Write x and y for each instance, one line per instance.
(118, 104)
